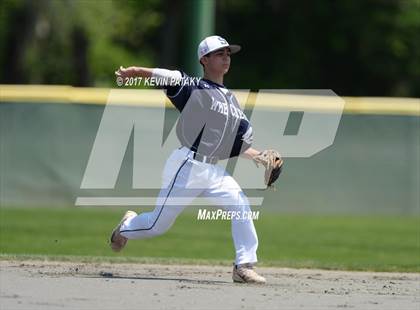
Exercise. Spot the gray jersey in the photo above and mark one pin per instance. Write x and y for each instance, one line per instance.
(211, 121)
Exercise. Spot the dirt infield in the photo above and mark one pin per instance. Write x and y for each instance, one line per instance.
(67, 285)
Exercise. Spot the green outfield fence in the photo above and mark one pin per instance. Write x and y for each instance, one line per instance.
(47, 132)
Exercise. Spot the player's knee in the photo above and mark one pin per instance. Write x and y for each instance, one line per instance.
(159, 229)
(242, 202)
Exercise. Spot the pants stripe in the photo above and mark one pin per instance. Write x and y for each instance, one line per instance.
(163, 205)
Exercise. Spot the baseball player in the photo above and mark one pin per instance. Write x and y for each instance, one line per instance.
(211, 127)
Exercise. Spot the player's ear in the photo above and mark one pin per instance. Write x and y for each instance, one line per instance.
(204, 60)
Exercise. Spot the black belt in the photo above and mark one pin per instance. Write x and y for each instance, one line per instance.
(205, 159)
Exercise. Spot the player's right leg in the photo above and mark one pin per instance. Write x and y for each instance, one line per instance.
(172, 199)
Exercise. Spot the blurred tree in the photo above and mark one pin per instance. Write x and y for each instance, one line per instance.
(171, 34)
(75, 42)
(353, 47)
(16, 20)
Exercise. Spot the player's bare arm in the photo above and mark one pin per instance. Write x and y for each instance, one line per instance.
(134, 72)
(144, 72)
(250, 153)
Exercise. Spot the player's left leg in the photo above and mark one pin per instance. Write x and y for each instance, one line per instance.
(227, 194)
(225, 191)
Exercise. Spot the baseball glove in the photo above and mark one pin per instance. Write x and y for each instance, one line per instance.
(273, 164)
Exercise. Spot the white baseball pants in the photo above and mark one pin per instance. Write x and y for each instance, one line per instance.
(184, 179)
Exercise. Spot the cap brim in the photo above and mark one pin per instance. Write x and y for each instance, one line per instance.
(234, 48)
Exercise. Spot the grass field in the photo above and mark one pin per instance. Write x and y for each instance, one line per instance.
(330, 242)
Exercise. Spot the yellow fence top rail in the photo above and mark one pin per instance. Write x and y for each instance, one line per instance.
(154, 97)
